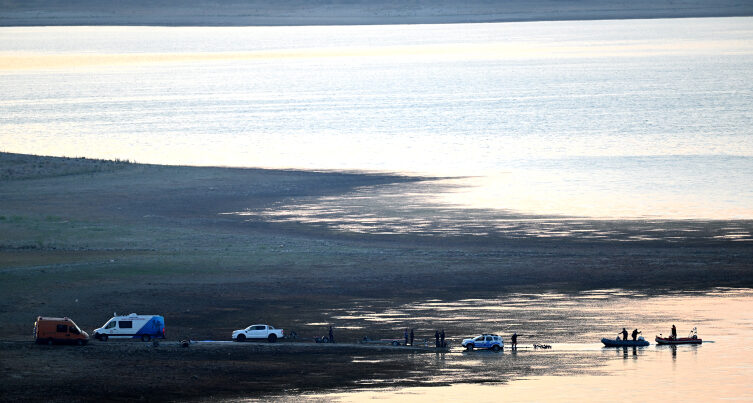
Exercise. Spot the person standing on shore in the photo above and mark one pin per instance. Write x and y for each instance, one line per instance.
(411, 337)
(514, 340)
(405, 334)
(436, 336)
(441, 336)
(331, 335)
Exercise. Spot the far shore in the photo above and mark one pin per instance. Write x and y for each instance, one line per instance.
(293, 13)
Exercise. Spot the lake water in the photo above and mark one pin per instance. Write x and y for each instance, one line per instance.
(642, 118)
(577, 367)
(544, 120)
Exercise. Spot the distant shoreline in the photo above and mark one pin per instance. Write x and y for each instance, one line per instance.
(298, 23)
(228, 13)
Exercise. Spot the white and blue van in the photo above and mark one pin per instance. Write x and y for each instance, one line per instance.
(133, 326)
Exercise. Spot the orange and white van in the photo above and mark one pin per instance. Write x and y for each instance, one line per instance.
(58, 330)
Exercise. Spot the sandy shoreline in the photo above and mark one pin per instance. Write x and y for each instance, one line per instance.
(295, 13)
(85, 238)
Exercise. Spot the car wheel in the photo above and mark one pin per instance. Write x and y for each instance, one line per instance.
(469, 347)
(103, 337)
(145, 337)
(495, 348)
(272, 338)
(79, 342)
(241, 338)
(395, 343)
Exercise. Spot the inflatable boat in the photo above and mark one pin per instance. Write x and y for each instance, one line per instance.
(691, 339)
(681, 340)
(641, 342)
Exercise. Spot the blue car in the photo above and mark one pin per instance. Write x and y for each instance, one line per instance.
(487, 341)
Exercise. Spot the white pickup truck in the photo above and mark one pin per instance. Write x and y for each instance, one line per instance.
(258, 332)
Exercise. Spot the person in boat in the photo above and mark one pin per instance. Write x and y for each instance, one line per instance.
(673, 336)
(624, 333)
(635, 334)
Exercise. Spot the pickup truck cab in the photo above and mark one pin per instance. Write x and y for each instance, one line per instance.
(258, 332)
(488, 341)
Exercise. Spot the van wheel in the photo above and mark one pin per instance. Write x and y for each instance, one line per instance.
(79, 342)
(241, 338)
(49, 342)
(145, 337)
(395, 343)
(495, 348)
(103, 337)
(272, 338)
(469, 347)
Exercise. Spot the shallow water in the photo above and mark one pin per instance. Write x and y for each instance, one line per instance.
(640, 118)
(577, 368)
(427, 209)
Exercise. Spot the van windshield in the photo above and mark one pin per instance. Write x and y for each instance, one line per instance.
(110, 325)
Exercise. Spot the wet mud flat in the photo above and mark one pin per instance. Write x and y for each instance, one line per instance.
(126, 371)
(138, 371)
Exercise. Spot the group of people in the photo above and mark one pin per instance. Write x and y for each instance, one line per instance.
(438, 337)
(409, 337)
(635, 333)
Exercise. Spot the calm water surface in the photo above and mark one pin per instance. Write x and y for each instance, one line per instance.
(544, 120)
(647, 118)
(577, 368)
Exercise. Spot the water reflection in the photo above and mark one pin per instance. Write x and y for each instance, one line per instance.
(580, 369)
(626, 352)
(431, 208)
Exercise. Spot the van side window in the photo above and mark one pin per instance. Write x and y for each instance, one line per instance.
(62, 328)
(125, 324)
